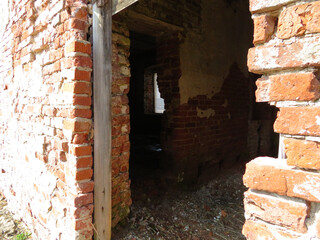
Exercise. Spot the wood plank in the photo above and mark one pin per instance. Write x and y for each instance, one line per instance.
(102, 35)
(118, 5)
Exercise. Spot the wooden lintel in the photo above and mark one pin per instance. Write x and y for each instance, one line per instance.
(119, 5)
(144, 24)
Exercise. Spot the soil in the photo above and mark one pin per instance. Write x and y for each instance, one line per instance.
(214, 211)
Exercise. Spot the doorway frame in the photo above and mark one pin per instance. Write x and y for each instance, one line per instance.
(102, 84)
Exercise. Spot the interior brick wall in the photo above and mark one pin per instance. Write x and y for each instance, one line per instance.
(46, 130)
(121, 195)
(283, 197)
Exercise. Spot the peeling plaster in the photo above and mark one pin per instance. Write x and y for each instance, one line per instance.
(206, 58)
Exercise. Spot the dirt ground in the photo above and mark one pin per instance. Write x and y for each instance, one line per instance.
(214, 211)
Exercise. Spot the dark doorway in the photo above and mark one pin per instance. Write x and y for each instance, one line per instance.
(145, 123)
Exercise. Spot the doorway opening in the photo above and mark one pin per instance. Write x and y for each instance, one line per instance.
(146, 112)
(192, 53)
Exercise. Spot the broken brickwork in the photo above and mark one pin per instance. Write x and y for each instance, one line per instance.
(283, 199)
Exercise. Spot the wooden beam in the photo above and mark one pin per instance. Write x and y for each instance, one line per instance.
(102, 77)
(118, 5)
(143, 24)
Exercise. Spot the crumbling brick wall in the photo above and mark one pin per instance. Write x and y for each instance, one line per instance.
(283, 199)
(121, 196)
(45, 141)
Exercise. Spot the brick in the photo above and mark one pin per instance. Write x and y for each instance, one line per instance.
(84, 162)
(81, 150)
(77, 88)
(264, 26)
(84, 174)
(84, 234)
(83, 199)
(288, 87)
(80, 138)
(79, 46)
(303, 52)
(298, 121)
(120, 120)
(77, 61)
(118, 141)
(254, 230)
(61, 145)
(262, 5)
(76, 126)
(56, 55)
(83, 113)
(298, 20)
(82, 75)
(284, 212)
(274, 175)
(80, 13)
(54, 67)
(75, 23)
(119, 100)
(82, 212)
(81, 100)
(302, 153)
(85, 187)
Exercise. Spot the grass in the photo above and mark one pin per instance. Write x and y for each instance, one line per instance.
(22, 236)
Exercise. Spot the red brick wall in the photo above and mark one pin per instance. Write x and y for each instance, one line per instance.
(121, 196)
(196, 143)
(46, 135)
(283, 199)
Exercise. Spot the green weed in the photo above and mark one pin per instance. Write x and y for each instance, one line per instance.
(23, 236)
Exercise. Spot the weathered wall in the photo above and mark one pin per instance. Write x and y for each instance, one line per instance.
(283, 199)
(45, 140)
(208, 53)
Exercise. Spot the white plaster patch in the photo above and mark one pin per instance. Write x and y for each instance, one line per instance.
(318, 120)
(225, 104)
(267, 60)
(205, 113)
(311, 185)
(263, 4)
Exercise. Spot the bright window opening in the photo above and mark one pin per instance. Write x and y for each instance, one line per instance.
(158, 101)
